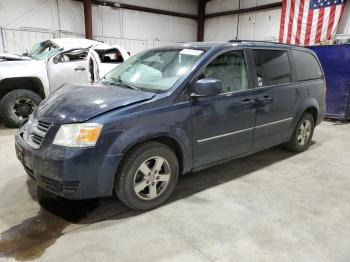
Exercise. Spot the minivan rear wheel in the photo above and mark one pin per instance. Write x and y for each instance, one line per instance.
(147, 177)
(302, 135)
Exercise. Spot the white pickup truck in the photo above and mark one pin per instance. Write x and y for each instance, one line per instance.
(25, 80)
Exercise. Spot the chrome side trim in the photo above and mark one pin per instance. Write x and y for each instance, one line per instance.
(243, 130)
(223, 135)
(276, 122)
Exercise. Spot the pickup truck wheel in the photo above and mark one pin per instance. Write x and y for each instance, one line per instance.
(302, 135)
(17, 105)
(147, 177)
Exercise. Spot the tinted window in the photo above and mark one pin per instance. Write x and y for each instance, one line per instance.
(272, 67)
(307, 66)
(231, 69)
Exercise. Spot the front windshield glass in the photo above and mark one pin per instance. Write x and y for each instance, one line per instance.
(154, 71)
(44, 50)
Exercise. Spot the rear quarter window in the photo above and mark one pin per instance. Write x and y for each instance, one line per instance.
(307, 66)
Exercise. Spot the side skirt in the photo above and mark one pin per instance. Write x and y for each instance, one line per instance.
(236, 157)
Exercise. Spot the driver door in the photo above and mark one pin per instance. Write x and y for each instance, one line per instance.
(223, 125)
(69, 67)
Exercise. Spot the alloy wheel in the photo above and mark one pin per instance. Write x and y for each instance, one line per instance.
(304, 132)
(152, 178)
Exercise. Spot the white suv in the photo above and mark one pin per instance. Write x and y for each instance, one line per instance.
(25, 80)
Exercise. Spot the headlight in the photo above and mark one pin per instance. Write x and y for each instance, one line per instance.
(78, 135)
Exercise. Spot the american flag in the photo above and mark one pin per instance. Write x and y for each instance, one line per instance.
(308, 22)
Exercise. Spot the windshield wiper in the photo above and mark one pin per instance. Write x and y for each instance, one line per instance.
(119, 82)
(127, 84)
(105, 82)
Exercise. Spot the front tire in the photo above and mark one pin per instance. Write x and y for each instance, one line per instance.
(302, 135)
(17, 105)
(148, 176)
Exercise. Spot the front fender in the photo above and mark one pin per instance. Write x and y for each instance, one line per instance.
(34, 69)
(129, 138)
(126, 139)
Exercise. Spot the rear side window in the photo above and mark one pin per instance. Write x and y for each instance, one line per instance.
(307, 67)
(272, 67)
(110, 56)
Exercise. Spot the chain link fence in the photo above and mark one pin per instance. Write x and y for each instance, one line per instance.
(19, 41)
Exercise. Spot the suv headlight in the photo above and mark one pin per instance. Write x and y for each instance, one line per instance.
(78, 135)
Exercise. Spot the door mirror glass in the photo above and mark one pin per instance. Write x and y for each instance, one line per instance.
(206, 87)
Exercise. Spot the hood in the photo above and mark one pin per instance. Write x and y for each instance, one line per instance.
(10, 57)
(79, 103)
(22, 68)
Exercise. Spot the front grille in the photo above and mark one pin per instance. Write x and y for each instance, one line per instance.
(42, 126)
(35, 132)
(37, 139)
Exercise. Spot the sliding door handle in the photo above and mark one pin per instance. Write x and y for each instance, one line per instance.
(246, 102)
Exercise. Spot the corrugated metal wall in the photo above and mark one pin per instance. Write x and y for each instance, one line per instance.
(259, 25)
(24, 23)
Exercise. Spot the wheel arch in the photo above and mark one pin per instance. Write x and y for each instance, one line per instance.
(313, 111)
(167, 140)
(28, 83)
(310, 106)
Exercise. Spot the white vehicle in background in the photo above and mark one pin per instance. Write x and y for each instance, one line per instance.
(26, 80)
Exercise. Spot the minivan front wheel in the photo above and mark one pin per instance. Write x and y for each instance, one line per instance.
(148, 176)
(302, 134)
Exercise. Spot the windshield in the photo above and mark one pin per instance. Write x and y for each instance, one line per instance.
(154, 71)
(44, 50)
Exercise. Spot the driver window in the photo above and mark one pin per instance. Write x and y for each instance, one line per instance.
(72, 56)
(231, 69)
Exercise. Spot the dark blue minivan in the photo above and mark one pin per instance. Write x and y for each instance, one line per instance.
(170, 111)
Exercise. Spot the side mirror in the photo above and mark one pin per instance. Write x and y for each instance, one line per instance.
(206, 87)
(57, 59)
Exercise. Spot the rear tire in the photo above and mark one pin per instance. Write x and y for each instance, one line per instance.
(302, 135)
(147, 177)
(17, 105)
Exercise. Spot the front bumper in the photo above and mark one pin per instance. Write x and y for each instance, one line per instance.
(72, 173)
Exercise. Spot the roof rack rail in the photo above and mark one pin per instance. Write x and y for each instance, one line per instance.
(256, 41)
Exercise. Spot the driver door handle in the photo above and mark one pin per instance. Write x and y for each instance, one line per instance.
(265, 99)
(80, 68)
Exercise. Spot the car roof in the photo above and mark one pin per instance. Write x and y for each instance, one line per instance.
(68, 43)
(244, 43)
